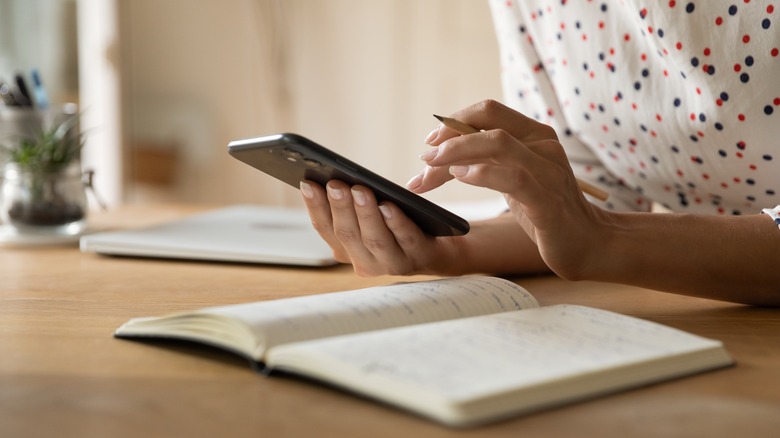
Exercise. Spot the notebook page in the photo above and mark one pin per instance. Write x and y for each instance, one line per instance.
(311, 317)
(472, 358)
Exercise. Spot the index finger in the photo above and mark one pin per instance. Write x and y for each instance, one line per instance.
(489, 114)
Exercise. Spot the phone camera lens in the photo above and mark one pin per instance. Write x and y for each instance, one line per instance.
(292, 155)
(311, 163)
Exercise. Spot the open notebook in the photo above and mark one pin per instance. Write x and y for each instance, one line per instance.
(241, 233)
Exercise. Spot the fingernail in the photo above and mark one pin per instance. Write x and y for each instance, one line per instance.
(359, 197)
(415, 182)
(335, 193)
(385, 210)
(307, 191)
(432, 135)
(458, 171)
(430, 154)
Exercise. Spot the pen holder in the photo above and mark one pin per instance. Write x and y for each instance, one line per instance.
(43, 189)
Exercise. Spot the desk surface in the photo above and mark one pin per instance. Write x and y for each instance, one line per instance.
(63, 374)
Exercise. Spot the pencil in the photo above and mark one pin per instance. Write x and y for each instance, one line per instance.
(464, 128)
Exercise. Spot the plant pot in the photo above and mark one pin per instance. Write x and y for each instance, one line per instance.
(39, 202)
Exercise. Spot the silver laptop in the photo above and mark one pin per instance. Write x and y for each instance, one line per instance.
(241, 233)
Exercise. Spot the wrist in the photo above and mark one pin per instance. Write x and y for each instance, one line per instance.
(493, 246)
(609, 240)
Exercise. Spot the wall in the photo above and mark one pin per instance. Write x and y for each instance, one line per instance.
(361, 77)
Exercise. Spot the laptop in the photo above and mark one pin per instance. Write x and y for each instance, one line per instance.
(240, 233)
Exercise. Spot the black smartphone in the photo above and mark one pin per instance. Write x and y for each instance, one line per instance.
(293, 158)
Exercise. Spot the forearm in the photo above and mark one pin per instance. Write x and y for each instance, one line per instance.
(726, 258)
(498, 246)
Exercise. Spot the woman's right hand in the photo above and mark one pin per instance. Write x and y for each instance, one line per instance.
(377, 239)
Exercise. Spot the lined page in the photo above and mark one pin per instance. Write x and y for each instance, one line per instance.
(316, 316)
(475, 358)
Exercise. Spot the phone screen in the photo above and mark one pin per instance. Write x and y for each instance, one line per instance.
(292, 158)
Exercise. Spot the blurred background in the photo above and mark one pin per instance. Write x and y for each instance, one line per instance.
(164, 85)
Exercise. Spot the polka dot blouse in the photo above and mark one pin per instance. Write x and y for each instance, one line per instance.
(675, 102)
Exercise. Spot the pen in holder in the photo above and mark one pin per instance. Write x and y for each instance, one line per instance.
(43, 185)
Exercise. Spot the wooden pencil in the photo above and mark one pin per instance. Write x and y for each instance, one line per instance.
(464, 128)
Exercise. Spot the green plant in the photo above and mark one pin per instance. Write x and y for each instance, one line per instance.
(51, 149)
(42, 179)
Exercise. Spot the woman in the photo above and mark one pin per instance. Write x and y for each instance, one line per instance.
(676, 104)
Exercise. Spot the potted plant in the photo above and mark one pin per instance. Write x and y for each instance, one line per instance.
(42, 187)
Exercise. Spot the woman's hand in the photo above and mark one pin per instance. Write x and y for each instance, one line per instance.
(522, 159)
(376, 238)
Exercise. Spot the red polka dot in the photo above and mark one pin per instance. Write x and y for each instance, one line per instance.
(741, 117)
(672, 3)
(718, 21)
(775, 52)
(770, 9)
(707, 51)
(719, 102)
(626, 37)
(776, 101)
(737, 68)
(746, 39)
(678, 45)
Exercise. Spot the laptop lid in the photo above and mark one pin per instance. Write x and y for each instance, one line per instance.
(241, 233)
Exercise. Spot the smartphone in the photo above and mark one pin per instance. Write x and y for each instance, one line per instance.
(293, 158)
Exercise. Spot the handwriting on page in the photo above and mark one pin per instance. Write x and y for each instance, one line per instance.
(316, 316)
(508, 350)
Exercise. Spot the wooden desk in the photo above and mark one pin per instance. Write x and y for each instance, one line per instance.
(62, 373)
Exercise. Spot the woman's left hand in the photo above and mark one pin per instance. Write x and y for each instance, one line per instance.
(522, 159)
